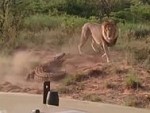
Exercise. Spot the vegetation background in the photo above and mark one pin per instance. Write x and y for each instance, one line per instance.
(47, 25)
(28, 24)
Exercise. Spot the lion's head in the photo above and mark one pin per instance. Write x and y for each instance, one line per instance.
(109, 31)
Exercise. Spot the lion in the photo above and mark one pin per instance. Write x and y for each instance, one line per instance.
(104, 34)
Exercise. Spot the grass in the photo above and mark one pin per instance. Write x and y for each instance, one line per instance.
(71, 88)
(73, 79)
(136, 101)
(76, 78)
(131, 32)
(92, 97)
(133, 41)
(64, 90)
(44, 31)
(138, 53)
(110, 85)
(131, 101)
(42, 40)
(39, 22)
(132, 82)
(47, 31)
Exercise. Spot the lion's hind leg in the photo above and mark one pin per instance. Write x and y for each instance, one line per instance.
(92, 45)
(83, 40)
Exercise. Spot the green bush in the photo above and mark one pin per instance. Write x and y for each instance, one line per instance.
(123, 14)
(136, 13)
(132, 81)
(82, 8)
(141, 12)
(40, 22)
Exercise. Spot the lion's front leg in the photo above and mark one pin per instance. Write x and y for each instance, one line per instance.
(105, 47)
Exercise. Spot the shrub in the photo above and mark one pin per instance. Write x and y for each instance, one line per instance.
(141, 54)
(139, 32)
(140, 12)
(73, 79)
(132, 82)
(141, 101)
(69, 80)
(123, 14)
(92, 97)
(64, 90)
(132, 101)
(110, 85)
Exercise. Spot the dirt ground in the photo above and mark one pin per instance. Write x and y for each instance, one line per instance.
(97, 80)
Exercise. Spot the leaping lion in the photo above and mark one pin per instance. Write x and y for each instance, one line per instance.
(104, 34)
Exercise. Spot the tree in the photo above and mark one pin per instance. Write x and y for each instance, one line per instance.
(108, 6)
(12, 13)
(3, 14)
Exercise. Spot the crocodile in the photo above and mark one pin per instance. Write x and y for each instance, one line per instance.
(50, 70)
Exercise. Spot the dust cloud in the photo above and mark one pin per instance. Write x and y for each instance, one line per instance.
(14, 68)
